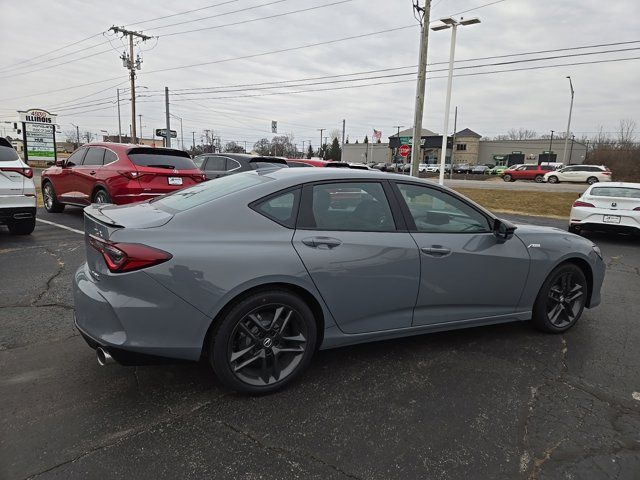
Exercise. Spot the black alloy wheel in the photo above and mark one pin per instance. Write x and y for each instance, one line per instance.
(264, 342)
(561, 299)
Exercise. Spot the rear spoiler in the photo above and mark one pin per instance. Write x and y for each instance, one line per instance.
(95, 212)
(338, 165)
(280, 161)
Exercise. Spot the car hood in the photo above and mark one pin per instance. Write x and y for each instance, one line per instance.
(138, 215)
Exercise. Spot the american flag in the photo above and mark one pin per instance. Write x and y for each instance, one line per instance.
(377, 134)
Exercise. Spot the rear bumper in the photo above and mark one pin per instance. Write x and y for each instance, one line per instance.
(137, 320)
(588, 218)
(12, 214)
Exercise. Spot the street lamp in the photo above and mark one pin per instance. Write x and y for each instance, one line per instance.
(566, 137)
(453, 24)
(181, 134)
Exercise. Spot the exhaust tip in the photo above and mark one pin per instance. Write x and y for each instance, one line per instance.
(103, 357)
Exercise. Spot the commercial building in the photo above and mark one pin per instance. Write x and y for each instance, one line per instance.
(529, 151)
(366, 153)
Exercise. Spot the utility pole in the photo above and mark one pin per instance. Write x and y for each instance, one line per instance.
(573, 137)
(550, 145)
(453, 141)
(166, 110)
(132, 65)
(566, 137)
(193, 146)
(423, 16)
(320, 147)
(119, 121)
(344, 126)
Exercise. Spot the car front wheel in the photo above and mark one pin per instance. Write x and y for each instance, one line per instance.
(50, 199)
(552, 179)
(263, 342)
(561, 299)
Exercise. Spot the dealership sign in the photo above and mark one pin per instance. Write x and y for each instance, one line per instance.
(39, 134)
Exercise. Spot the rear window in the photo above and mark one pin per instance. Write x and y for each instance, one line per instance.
(190, 197)
(161, 158)
(8, 154)
(621, 192)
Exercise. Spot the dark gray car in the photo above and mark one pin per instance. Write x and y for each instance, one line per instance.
(257, 271)
(216, 165)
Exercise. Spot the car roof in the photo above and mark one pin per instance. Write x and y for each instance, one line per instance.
(303, 175)
(616, 184)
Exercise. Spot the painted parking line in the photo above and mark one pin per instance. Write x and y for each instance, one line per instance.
(60, 226)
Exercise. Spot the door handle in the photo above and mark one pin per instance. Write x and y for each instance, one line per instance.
(436, 251)
(323, 243)
(93, 172)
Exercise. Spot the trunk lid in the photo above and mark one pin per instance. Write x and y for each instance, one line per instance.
(613, 197)
(163, 170)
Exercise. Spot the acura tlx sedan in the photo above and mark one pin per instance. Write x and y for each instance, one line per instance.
(256, 271)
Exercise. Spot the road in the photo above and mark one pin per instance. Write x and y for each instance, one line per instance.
(500, 402)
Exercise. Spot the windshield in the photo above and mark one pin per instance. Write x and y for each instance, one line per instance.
(161, 158)
(188, 198)
(620, 192)
(8, 154)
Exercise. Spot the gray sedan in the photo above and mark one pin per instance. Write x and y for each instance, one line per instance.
(256, 271)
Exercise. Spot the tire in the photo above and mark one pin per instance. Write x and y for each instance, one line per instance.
(50, 199)
(101, 196)
(507, 178)
(22, 227)
(539, 178)
(554, 311)
(592, 180)
(553, 179)
(286, 348)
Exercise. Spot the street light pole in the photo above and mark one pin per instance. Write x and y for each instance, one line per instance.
(423, 14)
(550, 145)
(566, 137)
(453, 24)
(119, 120)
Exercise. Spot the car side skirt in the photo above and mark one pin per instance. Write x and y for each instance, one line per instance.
(334, 338)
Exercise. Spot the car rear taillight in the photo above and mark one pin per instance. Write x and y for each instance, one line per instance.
(579, 203)
(126, 257)
(130, 174)
(199, 177)
(637, 209)
(27, 172)
(606, 173)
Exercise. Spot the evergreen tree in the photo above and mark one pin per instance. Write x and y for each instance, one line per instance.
(366, 139)
(310, 151)
(335, 152)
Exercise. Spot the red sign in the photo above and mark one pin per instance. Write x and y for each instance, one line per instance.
(405, 150)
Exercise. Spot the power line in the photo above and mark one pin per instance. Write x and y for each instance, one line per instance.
(182, 13)
(11, 75)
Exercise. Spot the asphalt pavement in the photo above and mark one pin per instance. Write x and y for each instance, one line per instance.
(499, 402)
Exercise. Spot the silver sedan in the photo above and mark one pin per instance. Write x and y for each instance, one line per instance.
(255, 272)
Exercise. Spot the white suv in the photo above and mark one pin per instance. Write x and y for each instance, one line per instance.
(17, 192)
(579, 173)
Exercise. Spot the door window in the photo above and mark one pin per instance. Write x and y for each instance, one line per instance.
(94, 157)
(352, 206)
(216, 164)
(435, 211)
(76, 158)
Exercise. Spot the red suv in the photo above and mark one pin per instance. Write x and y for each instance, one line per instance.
(526, 172)
(116, 173)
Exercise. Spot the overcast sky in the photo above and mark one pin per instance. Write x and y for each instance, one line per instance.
(488, 104)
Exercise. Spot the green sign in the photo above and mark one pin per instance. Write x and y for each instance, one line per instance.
(516, 152)
(406, 140)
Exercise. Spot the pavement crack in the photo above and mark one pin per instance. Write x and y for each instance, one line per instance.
(58, 272)
(282, 450)
(539, 462)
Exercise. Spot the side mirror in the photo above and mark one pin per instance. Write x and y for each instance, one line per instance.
(59, 163)
(503, 230)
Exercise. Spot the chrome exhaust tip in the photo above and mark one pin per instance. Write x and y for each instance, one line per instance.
(103, 357)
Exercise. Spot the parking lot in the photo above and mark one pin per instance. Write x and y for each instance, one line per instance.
(492, 402)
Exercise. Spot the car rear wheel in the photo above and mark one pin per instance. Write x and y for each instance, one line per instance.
(22, 227)
(50, 199)
(264, 342)
(507, 178)
(539, 178)
(553, 179)
(592, 180)
(101, 196)
(561, 299)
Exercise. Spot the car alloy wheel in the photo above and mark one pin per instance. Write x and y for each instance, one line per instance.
(592, 180)
(507, 178)
(561, 299)
(539, 178)
(263, 342)
(553, 179)
(47, 196)
(101, 197)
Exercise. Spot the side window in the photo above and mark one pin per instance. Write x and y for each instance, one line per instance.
(435, 211)
(109, 157)
(531, 167)
(354, 206)
(281, 208)
(232, 164)
(199, 161)
(76, 158)
(94, 157)
(216, 164)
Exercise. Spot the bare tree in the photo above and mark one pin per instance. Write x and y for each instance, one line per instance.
(71, 135)
(335, 133)
(88, 136)
(233, 147)
(626, 132)
(521, 134)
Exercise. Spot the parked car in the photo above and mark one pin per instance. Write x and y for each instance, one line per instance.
(432, 168)
(462, 168)
(116, 173)
(216, 165)
(526, 172)
(17, 192)
(499, 169)
(611, 207)
(579, 173)
(479, 169)
(257, 271)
